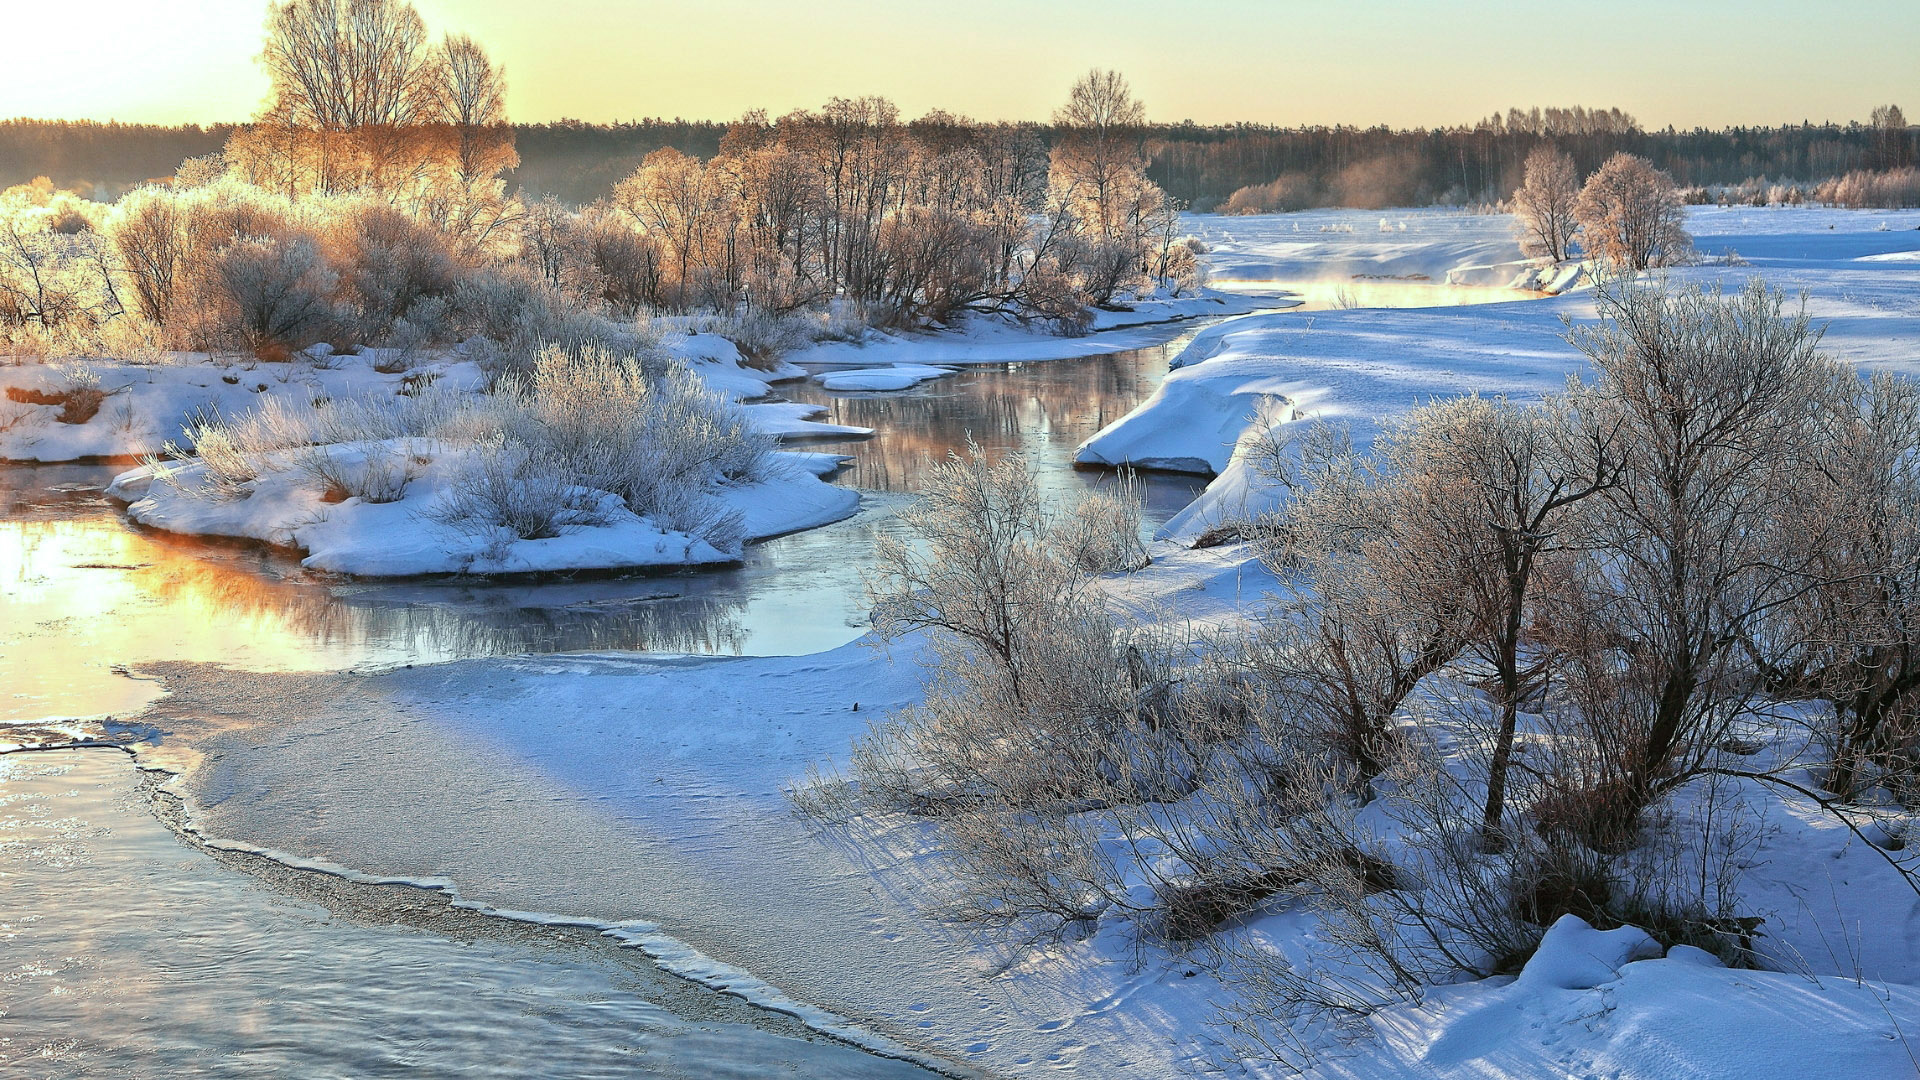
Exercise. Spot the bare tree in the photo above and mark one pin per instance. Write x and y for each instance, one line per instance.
(149, 232)
(471, 98)
(1544, 203)
(1631, 216)
(1855, 640)
(1708, 399)
(1490, 488)
(1890, 132)
(1099, 145)
(342, 64)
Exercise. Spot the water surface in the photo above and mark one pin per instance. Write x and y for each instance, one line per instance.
(85, 593)
(125, 953)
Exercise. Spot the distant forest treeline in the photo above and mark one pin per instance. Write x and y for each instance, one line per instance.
(1200, 165)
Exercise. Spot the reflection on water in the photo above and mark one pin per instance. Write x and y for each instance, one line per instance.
(1037, 411)
(126, 954)
(84, 593)
(200, 971)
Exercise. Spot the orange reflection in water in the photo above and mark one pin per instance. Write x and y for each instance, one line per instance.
(84, 597)
(81, 596)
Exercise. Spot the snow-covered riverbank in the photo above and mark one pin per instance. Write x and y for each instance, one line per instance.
(1363, 366)
(614, 788)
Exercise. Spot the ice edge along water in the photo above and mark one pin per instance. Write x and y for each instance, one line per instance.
(669, 954)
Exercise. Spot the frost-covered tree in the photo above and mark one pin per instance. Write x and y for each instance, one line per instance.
(362, 100)
(1631, 215)
(1544, 203)
(1097, 155)
(1709, 401)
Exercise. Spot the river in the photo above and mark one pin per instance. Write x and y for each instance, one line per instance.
(133, 949)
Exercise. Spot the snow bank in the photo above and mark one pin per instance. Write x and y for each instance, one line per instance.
(792, 420)
(1593, 1003)
(891, 377)
(149, 405)
(399, 539)
(1362, 367)
(988, 340)
(1432, 244)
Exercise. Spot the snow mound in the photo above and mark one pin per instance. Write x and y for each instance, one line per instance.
(891, 377)
(1575, 956)
(793, 420)
(1595, 1003)
(402, 538)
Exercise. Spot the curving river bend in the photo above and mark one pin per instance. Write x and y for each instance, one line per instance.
(132, 950)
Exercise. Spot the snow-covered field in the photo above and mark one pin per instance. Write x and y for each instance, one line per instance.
(1362, 366)
(615, 788)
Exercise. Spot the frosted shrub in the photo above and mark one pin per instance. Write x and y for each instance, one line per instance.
(518, 315)
(270, 295)
(228, 469)
(374, 473)
(1102, 532)
(762, 336)
(388, 264)
(655, 440)
(1043, 722)
(501, 488)
(591, 419)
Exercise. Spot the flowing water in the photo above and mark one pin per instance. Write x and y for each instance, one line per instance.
(84, 593)
(129, 952)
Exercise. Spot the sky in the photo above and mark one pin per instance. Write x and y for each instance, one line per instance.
(1403, 63)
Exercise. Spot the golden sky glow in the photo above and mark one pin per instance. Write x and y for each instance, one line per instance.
(1399, 63)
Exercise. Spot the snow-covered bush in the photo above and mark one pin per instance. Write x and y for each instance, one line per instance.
(1039, 713)
(656, 438)
(376, 473)
(500, 488)
(1888, 189)
(1101, 533)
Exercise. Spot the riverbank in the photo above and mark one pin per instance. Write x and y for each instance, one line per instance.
(609, 787)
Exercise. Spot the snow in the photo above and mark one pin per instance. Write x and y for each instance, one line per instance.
(149, 405)
(1432, 244)
(401, 539)
(1362, 367)
(718, 362)
(1593, 1003)
(603, 787)
(890, 377)
(979, 339)
(790, 420)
